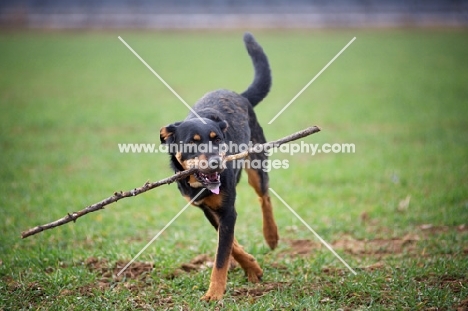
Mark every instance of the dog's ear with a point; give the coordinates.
(223, 125)
(166, 134)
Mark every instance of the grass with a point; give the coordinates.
(68, 99)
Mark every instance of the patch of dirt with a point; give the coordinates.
(136, 270)
(259, 290)
(136, 273)
(302, 247)
(354, 246)
(199, 262)
(455, 283)
(341, 271)
(432, 229)
(392, 246)
(141, 270)
(463, 306)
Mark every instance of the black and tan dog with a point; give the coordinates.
(224, 118)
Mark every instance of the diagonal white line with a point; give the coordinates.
(161, 79)
(315, 233)
(310, 82)
(159, 233)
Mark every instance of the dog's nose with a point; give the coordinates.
(215, 164)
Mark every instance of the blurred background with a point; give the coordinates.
(231, 14)
(71, 91)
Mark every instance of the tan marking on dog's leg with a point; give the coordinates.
(247, 262)
(270, 230)
(217, 282)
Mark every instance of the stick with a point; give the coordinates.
(272, 144)
(148, 185)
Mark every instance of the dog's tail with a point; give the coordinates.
(261, 84)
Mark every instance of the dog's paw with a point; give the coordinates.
(210, 296)
(215, 292)
(254, 275)
(271, 236)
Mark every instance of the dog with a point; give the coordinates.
(222, 120)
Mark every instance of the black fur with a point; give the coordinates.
(261, 84)
(229, 118)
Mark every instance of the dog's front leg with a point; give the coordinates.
(227, 221)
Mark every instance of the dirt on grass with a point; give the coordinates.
(376, 247)
(137, 276)
(348, 244)
(136, 270)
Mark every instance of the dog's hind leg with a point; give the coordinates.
(258, 179)
(247, 262)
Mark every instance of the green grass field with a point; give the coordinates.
(396, 210)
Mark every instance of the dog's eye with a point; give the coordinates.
(217, 140)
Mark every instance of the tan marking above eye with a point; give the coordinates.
(196, 137)
(212, 135)
(165, 133)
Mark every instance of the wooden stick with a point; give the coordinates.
(151, 185)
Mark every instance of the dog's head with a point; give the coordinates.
(195, 144)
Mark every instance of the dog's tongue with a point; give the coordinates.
(213, 187)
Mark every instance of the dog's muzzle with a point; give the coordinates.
(209, 174)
